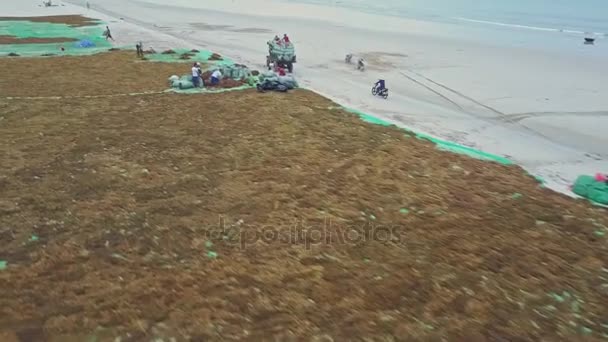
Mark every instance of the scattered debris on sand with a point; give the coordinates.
(31, 40)
(71, 20)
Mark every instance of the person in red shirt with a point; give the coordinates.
(285, 39)
(281, 71)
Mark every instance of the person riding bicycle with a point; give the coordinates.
(380, 85)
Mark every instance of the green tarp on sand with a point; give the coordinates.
(589, 187)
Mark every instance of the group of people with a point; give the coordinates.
(197, 76)
(284, 41)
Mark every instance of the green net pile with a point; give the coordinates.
(592, 189)
(192, 56)
(93, 35)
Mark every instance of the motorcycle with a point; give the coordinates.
(378, 91)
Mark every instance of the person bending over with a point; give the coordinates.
(215, 77)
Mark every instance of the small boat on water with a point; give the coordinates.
(589, 40)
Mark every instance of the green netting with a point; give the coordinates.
(590, 188)
(209, 90)
(202, 57)
(27, 29)
(441, 144)
(270, 76)
(456, 148)
(35, 50)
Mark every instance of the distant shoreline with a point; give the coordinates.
(503, 16)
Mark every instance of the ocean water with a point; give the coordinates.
(583, 17)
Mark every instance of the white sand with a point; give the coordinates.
(546, 109)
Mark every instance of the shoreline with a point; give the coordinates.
(541, 148)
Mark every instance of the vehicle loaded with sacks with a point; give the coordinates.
(281, 53)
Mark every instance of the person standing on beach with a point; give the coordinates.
(140, 49)
(108, 34)
(88, 5)
(196, 75)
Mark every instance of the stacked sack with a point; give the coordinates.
(282, 52)
(235, 72)
(288, 81)
(270, 76)
(184, 82)
(252, 80)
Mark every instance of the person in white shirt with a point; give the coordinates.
(196, 75)
(215, 77)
